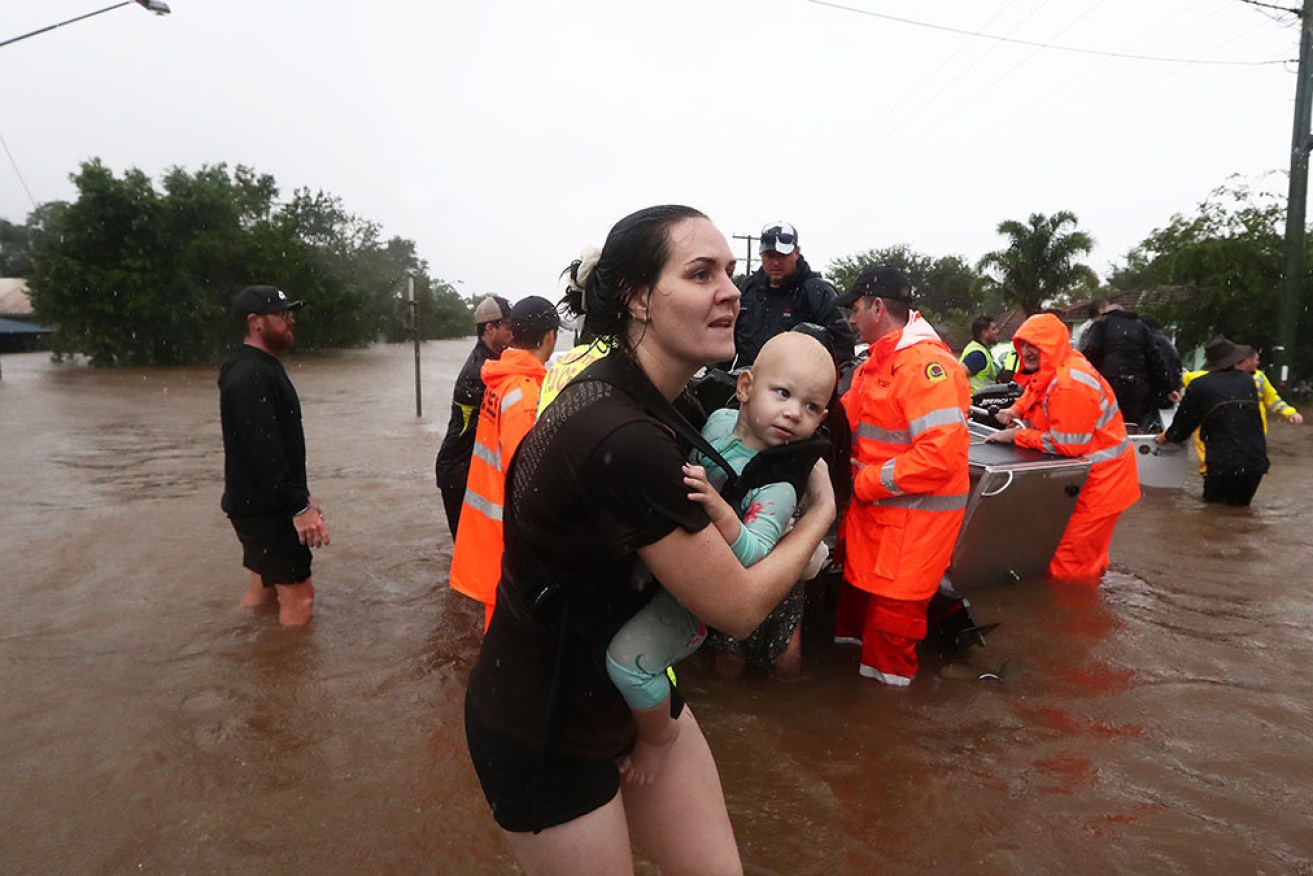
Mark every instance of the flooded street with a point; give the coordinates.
(1161, 725)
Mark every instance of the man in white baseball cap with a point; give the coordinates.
(784, 293)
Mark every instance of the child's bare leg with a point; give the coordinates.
(788, 666)
(657, 732)
(257, 594)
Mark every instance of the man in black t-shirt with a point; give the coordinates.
(265, 494)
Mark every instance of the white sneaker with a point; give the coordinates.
(883, 677)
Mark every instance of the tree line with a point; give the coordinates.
(132, 274)
(1215, 272)
(135, 274)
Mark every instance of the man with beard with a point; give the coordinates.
(783, 293)
(265, 493)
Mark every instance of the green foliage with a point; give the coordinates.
(948, 290)
(132, 274)
(1221, 269)
(1039, 267)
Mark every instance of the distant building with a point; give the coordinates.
(18, 333)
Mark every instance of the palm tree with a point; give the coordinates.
(1039, 264)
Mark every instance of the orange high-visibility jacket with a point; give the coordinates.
(1069, 409)
(510, 404)
(907, 410)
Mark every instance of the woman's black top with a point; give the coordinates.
(596, 479)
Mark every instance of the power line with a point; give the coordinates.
(1270, 6)
(825, 167)
(17, 171)
(1040, 45)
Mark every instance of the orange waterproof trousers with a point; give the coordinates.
(1082, 555)
(889, 629)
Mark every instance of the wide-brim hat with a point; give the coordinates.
(1221, 354)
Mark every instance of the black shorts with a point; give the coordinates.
(530, 791)
(272, 549)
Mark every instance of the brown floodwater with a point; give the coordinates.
(1163, 724)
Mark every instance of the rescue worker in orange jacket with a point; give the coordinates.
(1068, 408)
(907, 411)
(509, 408)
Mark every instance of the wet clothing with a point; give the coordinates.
(264, 481)
(272, 549)
(1068, 409)
(1269, 400)
(452, 466)
(765, 312)
(1224, 407)
(1170, 380)
(658, 637)
(889, 630)
(1121, 347)
(508, 410)
(981, 366)
(263, 443)
(907, 413)
(1269, 403)
(528, 792)
(598, 477)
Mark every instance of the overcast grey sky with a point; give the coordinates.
(502, 136)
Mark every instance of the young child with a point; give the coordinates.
(782, 400)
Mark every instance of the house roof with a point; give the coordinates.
(15, 298)
(18, 327)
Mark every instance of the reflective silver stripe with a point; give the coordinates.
(1071, 437)
(1109, 411)
(1277, 407)
(482, 505)
(887, 478)
(924, 502)
(491, 457)
(1047, 443)
(511, 398)
(886, 436)
(1111, 453)
(1087, 379)
(940, 417)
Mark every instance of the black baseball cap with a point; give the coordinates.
(261, 300)
(534, 314)
(880, 281)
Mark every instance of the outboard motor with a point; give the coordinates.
(992, 398)
(951, 627)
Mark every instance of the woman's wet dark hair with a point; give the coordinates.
(632, 258)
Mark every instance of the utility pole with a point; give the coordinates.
(1292, 279)
(750, 239)
(413, 328)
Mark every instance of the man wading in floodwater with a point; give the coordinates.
(265, 493)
